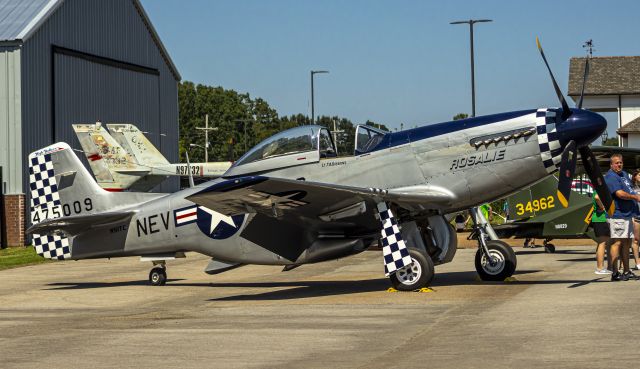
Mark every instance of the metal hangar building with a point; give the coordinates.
(78, 61)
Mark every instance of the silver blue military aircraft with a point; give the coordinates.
(291, 200)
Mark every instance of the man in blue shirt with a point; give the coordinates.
(620, 224)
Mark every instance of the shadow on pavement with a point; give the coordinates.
(306, 289)
(540, 250)
(89, 285)
(592, 259)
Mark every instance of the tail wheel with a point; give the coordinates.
(157, 277)
(503, 265)
(549, 248)
(416, 275)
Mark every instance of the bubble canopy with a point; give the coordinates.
(292, 141)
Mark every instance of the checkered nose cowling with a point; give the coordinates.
(394, 249)
(45, 204)
(550, 148)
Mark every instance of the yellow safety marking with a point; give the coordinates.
(510, 279)
(563, 200)
(421, 290)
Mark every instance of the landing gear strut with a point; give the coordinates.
(158, 275)
(408, 269)
(495, 260)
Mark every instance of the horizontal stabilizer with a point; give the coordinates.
(133, 172)
(74, 225)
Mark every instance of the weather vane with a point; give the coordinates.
(589, 46)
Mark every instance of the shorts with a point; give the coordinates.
(621, 228)
(601, 229)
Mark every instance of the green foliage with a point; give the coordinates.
(377, 125)
(460, 116)
(232, 113)
(12, 257)
(611, 142)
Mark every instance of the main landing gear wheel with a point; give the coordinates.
(157, 276)
(504, 262)
(416, 275)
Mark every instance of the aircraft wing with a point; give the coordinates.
(276, 197)
(74, 225)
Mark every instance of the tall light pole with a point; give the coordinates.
(471, 22)
(314, 72)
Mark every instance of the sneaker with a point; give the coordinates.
(637, 267)
(615, 277)
(603, 271)
(629, 276)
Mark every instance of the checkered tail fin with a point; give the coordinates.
(60, 186)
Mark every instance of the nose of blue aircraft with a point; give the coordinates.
(582, 126)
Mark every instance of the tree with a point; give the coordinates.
(377, 125)
(460, 116)
(233, 113)
(229, 111)
(611, 142)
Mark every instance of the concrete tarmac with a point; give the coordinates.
(103, 314)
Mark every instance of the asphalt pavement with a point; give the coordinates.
(102, 314)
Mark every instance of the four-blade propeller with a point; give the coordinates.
(568, 163)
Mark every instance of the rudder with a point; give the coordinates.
(60, 186)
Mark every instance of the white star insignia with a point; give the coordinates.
(216, 218)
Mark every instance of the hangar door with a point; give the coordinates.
(88, 88)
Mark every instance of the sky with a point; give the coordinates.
(392, 62)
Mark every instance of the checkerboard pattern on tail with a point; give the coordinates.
(52, 247)
(42, 180)
(394, 249)
(550, 149)
(44, 198)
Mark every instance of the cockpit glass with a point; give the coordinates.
(367, 138)
(326, 145)
(295, 140)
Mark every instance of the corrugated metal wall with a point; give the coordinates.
(59, 89)
(10, 120)
(85, 92)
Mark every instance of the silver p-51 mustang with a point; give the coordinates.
(290, 200)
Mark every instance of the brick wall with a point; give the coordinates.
(14, 210)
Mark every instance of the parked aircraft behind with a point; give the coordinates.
(123, 158)
(535, 212)
(291, 201)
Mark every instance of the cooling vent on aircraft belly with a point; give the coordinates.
(503, 136)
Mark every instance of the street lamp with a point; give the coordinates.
(471, 22)
(605, 136)
(313, 72)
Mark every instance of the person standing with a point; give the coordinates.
(635, 181)
(601, 230)
(621, 224)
